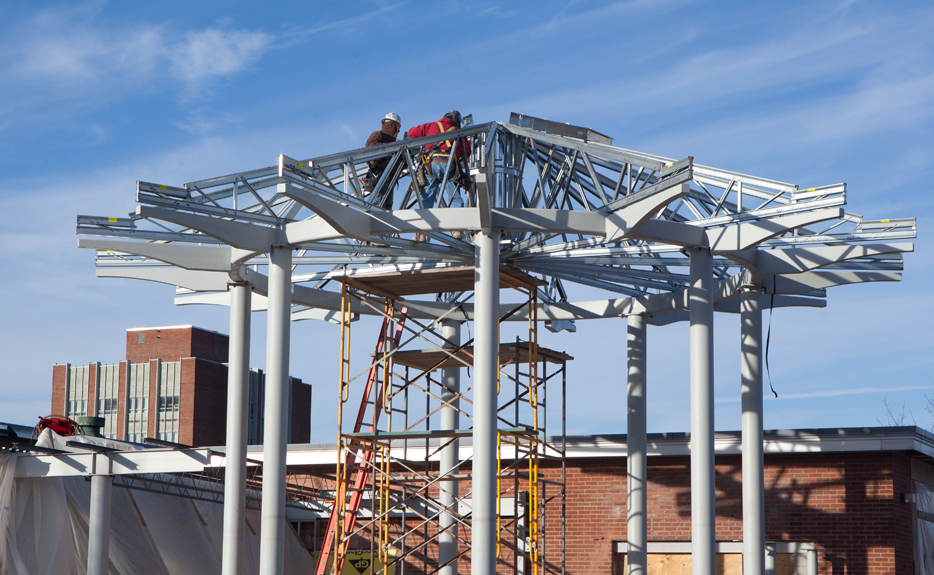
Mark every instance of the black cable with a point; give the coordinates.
(467, 323)
(768, 337)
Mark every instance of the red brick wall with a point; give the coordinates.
(93, 376)
(153, 413)
(209, 403)
(902, 514)
(186, 414)
(171, 344)
(121, 401)
(301, 411)
(59, 389)
(164, 344)
(847, 504)
(209, 345)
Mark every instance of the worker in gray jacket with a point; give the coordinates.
(385, 135)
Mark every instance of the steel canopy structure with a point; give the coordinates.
(611, 232)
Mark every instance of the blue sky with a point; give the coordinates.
(97, 95)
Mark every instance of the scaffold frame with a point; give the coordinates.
(397, 487)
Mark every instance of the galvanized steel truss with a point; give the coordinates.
(575, 212)
(608, 229)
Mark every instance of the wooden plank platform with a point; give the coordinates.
(433, 433)
(396, 284)
(425, 359)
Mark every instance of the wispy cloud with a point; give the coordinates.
(204, 55)
(838, 392)
(72, 59)
(822, 77)
(301, 34)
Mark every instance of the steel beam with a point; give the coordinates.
(703, 520)
(116, 463)
(275, 430)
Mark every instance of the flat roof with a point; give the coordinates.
(782, 441)
(174, 327)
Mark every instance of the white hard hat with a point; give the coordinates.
(392, 117)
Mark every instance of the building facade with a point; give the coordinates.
(861, 499)
(171, 386)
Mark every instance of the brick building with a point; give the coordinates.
(172, 386)
(863, 499)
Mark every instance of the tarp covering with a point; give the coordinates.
(44, 528)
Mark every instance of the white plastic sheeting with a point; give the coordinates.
(44, 528)
(924, 503)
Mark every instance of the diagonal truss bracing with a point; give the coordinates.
(610, 221)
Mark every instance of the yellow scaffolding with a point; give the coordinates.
(399, 453)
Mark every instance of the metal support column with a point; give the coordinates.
(238, 382)
(753, 462)
(275, 432)
(812, 562)
(450, 458)
(636, 497)
(486, 333)
(99, 524)
(703, 512)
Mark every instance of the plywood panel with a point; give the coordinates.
(729, 564)
(672, 564)
(680, 564)
(785, 564)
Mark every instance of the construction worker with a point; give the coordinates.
(385, 135)
(439, 160)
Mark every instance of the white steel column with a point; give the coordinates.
(703, 512)
(486, 330)
(238, 382)
(99, 524)
(636, 497)
(812, 562)
(450, 419)
(753, 461)
(275, 432)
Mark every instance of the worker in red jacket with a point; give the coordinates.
(439, 161)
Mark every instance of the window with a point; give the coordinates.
(169, 405)
(288, 434)
(141, 338)
(254, 434)
(137, 403)
(76, 392)
(107, 393)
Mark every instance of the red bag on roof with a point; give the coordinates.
(60, 425)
